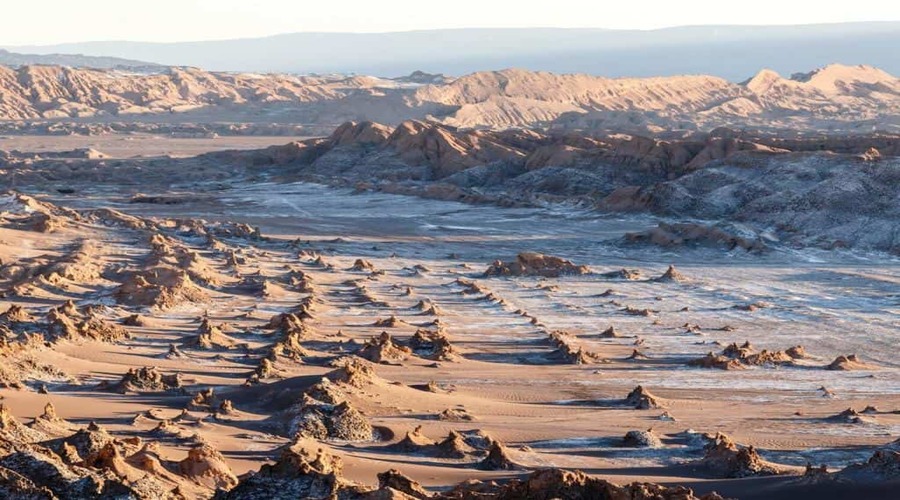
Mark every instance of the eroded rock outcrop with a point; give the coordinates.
(691, 234)
(210, 336)
(354, 372)
(296, 474)
(498, 459)
(317, 420)
(161, 287)
(736, 356)
(672, 275)
(383, 349)
(849, 363)
(147, 379)
(68, 322)
(883, 465)
(205, 465)
(726, 459)
(53, 459)
(432, 345)
(641, 439)
(535, 264)
(642, 399)
(557, 483)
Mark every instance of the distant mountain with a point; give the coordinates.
(833, 98)
(14, 59)
(52, 92)
(730, 52)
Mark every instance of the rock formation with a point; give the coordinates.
(432, 345)
(355, 373)
(147, 379)
(727, 459)
(210, 336)
(736, 356)
(205, 465)
(69, 323)
(642, 399)
(672, 275)
(383, 349)
(296, 474)
(326, 421)
(535, 264)
(563, 484)
(848, 363)
(498, 459)
(641, 439)
(832, 97)
(883, 465)
(692, 234)
(162, 287)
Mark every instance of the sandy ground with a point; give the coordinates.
(505, 374)
(135, 145)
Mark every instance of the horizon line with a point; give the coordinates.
(427, 30)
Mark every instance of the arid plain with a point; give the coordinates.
(173, 321)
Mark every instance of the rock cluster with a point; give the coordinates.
(296, 474)
(726, 459)
(737, 356)
(535, 264)
(692, 234)
(354, 372)
(432, 345)
(318, 420)
(383, 349)
(53, 458)
(68, 322)
(161, 287)
(883, 465)
(147, 379)
(568, 352)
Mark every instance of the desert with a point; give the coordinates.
(503, 284)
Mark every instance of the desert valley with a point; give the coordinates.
(507, 284)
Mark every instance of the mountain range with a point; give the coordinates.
(833, 98)
(730, 52)
(15, 59)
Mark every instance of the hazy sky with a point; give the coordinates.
(54, 21)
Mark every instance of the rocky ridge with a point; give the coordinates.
(753, 190)
(835, 97)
